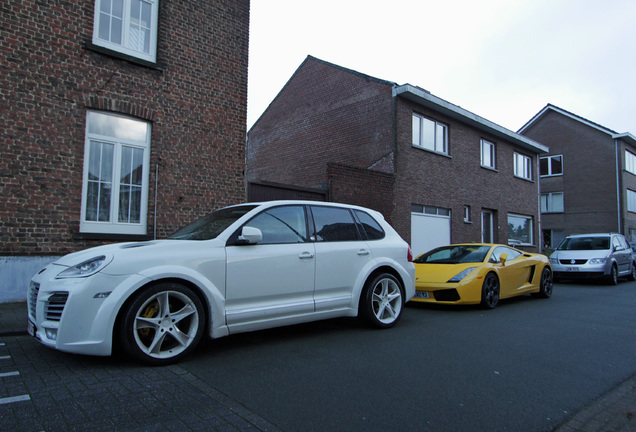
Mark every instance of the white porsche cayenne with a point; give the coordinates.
(241, 268)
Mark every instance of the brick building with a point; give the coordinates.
(119, 120)
(437, 172)
(588, 180)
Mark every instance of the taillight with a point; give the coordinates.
(409, 255)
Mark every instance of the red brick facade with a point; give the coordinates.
(347, 133)
(195, 98)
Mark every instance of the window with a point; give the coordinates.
(281, 225)
(127, 26)
(519, 230)
(370, 226)
(523, 166)
(487, 154)
(512, 254)
(466, 213)
(429, 134)
(630, 162)
(115, 186)
(551, 166)
(631, 201)
(552, 202)
(334, 224)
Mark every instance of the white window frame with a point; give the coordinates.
(522, 166)
(467, 213)
(552, 202)
(488, 154)
(515, 241)
(121, 139)
(128, 33)
(437, 143)
(631, 201)
(630, 162)
(550, 159)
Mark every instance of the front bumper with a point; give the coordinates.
(448, 293)
(583, 271)
(75, 314)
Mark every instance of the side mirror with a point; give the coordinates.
(250, 235)
(503, 258)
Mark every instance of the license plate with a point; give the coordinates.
(572, 269)
(421, 294)
(31, 329)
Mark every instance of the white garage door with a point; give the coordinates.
(428, 232)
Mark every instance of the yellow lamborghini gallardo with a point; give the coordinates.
(480, 274)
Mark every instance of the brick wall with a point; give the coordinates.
(325, 114)
(196, 101)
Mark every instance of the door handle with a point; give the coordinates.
(363, 252)
(306, 255)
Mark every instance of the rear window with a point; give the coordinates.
(585, 243)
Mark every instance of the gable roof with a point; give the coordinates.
(626, 136)
(425, 98)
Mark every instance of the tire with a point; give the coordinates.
(162, 324)
(546, 285)
(632, 274)
(612, 278)
(490, 291)
(382, 301)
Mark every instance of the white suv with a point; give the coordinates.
(601, 256)
(242, 268)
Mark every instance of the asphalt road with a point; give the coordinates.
(527, 365)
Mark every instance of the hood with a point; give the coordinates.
(580, 254)
(128, 251)
(440, 273)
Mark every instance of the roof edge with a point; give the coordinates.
(424, 97)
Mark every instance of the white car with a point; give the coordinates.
(242, 268)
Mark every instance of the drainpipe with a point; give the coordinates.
(538, 171)
(618, 187)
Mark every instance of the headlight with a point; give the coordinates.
(554, 261)
(84, 269)
(598, 260)
(462, 275)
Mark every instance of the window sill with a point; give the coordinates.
(431, 151)
(490, 168)
(131, 59)
(524, 179)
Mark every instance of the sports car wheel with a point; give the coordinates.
(490, 291)
(162, 324)
(546, 287)
(382, 300)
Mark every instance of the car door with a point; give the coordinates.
(514, 274)
(341, 256)
(622, 253)
(273, 279)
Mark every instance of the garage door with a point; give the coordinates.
(428, 232)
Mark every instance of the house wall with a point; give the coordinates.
(431, 179)
(627, 182)
(324, 114)
(589, 174)
(195, 98)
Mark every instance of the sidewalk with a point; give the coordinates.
(612, 412)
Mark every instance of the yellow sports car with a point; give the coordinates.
(480, 274)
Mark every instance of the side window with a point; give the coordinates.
(281, 225)
(371, 227)
(334, 224)
(496, 254)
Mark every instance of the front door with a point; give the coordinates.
(275, 278)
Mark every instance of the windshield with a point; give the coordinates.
(210, 226)
(585, 243)
(454, 255)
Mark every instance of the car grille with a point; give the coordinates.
(446, 295)
(34, 288)
(55, 306)
(576, 261)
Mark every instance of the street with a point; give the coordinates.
(527, 365)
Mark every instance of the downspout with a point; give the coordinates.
(156, 183)
(618, 187)
(540, 234)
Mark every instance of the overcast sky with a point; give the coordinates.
(503, 60)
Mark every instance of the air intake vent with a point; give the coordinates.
(34, 288)
(55, 306)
